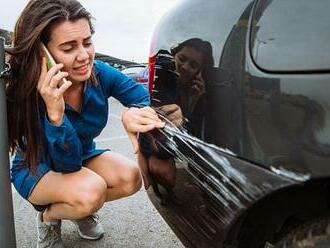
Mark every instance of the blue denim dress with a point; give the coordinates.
(67, 146)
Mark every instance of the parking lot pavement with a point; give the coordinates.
(130, 222)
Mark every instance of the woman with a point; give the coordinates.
(54, 116)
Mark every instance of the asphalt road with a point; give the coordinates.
(129, 222)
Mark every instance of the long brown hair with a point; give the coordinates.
(202, 46)
(24, 104)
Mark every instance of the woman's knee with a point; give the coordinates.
(89, 197)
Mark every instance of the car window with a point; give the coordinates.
(291, 35)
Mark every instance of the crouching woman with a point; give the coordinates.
(54, 115)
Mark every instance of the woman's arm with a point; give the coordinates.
(63, 144)
(117, 85)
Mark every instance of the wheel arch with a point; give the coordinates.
(279, 212)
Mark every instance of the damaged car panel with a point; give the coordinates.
(243, 158)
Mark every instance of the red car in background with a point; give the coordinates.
(138, 74)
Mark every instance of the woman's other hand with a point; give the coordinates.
(141, 120)
(51, 88)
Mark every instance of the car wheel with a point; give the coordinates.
(314, 234)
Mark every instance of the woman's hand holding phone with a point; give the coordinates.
(51, 86)
(198, 84)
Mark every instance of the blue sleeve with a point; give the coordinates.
(64, 146)
(121, 87)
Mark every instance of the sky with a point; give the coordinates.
(123, 28)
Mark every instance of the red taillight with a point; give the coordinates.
(151, 71)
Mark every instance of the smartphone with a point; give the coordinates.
(50, 61)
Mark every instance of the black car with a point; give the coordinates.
(244, 87)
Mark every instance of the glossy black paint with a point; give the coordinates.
(254, 137)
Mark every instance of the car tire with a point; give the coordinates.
(314, 234)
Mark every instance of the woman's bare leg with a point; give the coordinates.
(106, 177)
(72, 195)
(121, 174)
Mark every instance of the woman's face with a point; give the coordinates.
(188, 63)
(71, 44)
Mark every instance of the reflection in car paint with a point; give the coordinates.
(289, 174)
(233, 187)
(275, 125)
(230, 187)
(213, 172)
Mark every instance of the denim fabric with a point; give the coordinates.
(67, 146)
